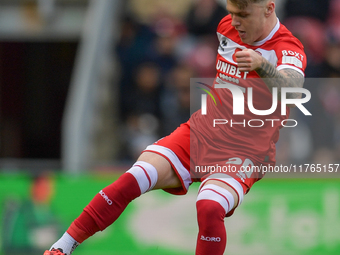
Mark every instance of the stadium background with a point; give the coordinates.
(85, 85)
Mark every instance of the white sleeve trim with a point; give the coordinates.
(280, 67)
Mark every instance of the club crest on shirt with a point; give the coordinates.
(223, 43)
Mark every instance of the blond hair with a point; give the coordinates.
(244, 3)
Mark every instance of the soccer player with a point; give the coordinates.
(253, 44)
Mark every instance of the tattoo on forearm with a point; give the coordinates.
(284, 78)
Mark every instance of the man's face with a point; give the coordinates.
(249, 22)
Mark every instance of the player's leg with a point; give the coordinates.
(215, 200)
(151, 171)
(167, 177)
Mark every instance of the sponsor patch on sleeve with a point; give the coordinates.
(292, 60)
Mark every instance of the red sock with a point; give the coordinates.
(212, 236)
(105, 207)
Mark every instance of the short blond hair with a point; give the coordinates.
(244, 3)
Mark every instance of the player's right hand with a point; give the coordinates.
(248, 60)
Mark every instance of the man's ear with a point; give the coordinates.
(270, 8)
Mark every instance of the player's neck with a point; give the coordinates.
(272, 21)
(270, 25)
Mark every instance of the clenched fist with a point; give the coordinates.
(248, 60)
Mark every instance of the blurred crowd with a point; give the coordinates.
(160, 48)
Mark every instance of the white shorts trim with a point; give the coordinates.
(181, 171)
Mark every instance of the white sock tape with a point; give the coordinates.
(217, 194)
(145, 174)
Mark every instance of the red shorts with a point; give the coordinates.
(194, 159)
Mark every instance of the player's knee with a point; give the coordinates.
(213, 202)
(210, 215)
(145, 174)
(209, 209)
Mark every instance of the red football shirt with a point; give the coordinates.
(244, 135)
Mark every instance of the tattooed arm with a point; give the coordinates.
(283, 78)
(248, 60)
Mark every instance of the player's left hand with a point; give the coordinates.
(248, 60)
